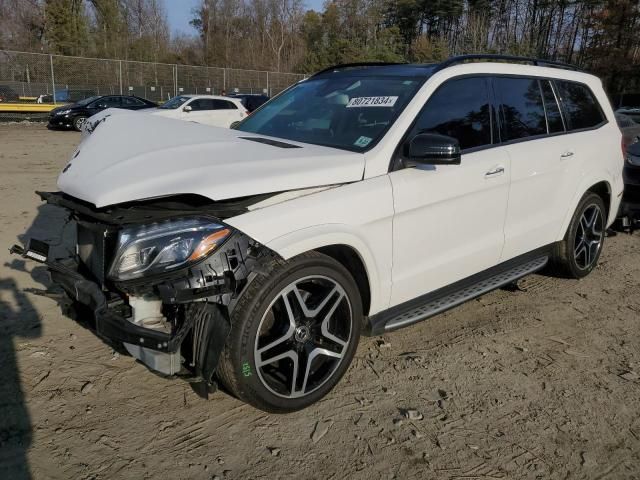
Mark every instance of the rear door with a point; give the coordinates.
(531, 128)
(546, 157)
(230, 111)
(449, 219)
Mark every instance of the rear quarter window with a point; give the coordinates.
(580, 106)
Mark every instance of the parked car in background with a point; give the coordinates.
(362, 200)
(632, 112)
(74, 115)
(8, 94)
(213, 110)
(629, 213)
(629, 128)
(251, 101)
(630, 207)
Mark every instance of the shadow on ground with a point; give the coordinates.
(19, 323)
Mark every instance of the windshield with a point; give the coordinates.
(174, 103)
(87, 101)
(347, 112)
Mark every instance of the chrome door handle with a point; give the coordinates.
(495, 172)
(567, 154)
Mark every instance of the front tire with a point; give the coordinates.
(294, 332)
(78, 122)
(578, 253)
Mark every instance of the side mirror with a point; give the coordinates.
(432, 149)
(186, 108)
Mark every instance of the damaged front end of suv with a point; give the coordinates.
(159, 276)
(158, 258)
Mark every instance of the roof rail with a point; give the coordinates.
(539, 62)
(357, 64)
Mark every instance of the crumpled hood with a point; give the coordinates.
(134, 157)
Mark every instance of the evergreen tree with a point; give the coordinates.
(66, 26)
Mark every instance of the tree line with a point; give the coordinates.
(602, 36)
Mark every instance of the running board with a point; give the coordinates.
(448, 297)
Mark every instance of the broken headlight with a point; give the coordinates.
(161, 247)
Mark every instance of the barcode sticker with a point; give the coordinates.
(359, 102)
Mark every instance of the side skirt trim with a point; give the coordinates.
(457, 293)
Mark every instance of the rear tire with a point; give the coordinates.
(578, 253)
(294, 332)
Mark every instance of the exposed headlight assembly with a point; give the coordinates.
(161, 247)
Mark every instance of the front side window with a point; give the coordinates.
(344, 111)
(580, 106)
(202, 104)
(174, 103)
(131, 102)
(458, 109)
(521, 107)
(87, 101)
(108, 102)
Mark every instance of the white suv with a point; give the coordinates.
(361, 200)
(211, 110)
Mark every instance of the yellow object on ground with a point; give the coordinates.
(27, 107)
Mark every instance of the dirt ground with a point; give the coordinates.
(541, 382)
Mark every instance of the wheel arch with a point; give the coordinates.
(603, 190)
(349, 258)
(599, 187)
(350, 250)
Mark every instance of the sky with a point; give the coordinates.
(179, 13)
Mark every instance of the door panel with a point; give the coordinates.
(216, 118)
(448, 222)
(543, 182)
(449, 219)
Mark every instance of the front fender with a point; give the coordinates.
(318, 236)
(358, 215)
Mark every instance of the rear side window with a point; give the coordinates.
(554, 117)
(223, 105)
(521, 107)
(580, 106)
(459, 109)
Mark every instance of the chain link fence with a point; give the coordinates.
(37, 76)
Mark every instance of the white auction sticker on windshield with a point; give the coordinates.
(359, 102)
